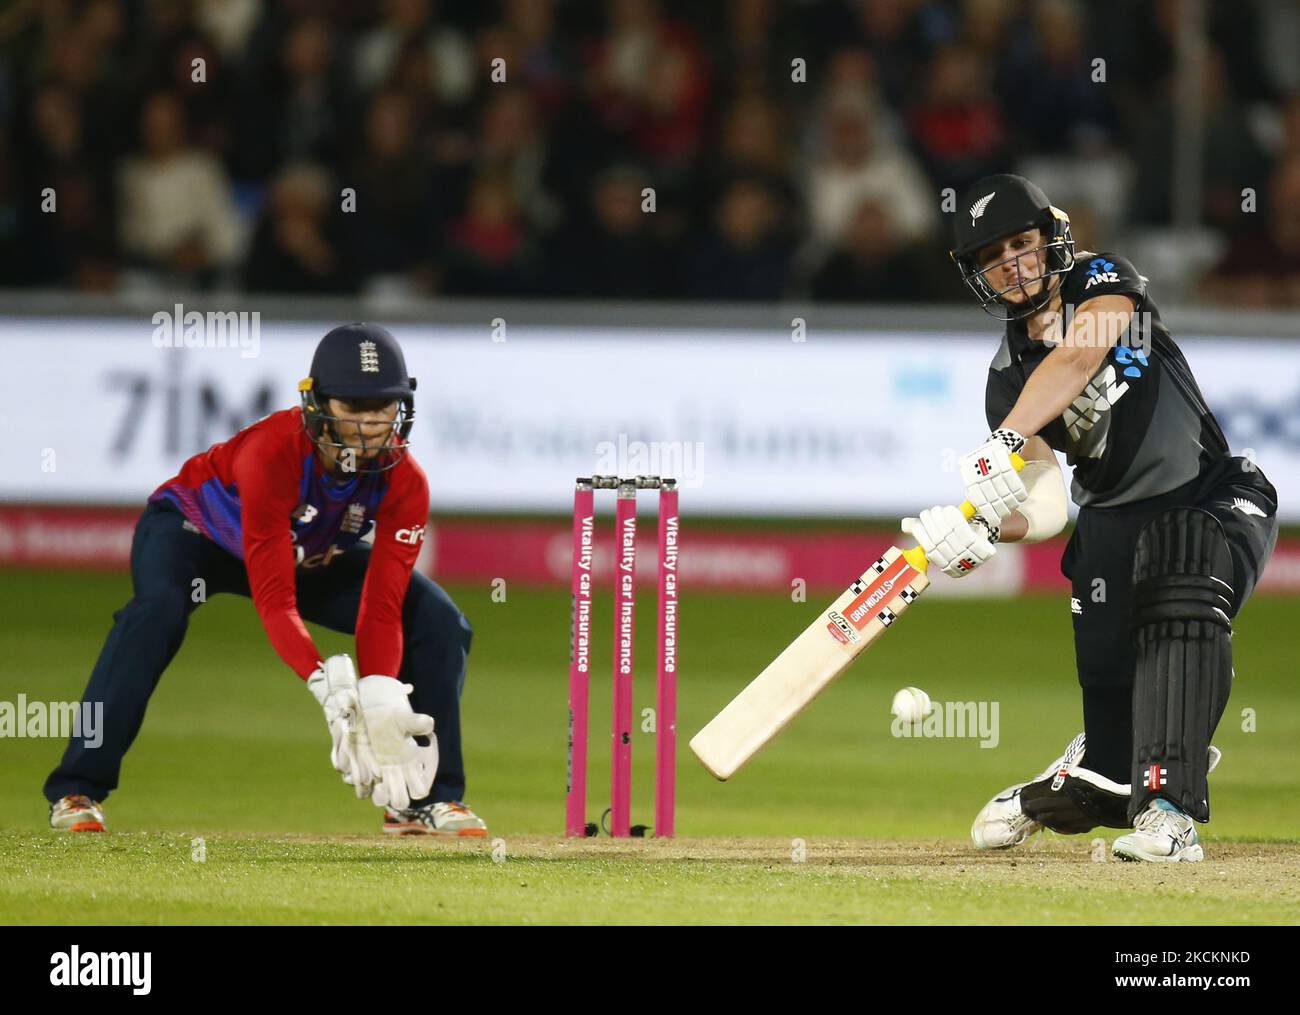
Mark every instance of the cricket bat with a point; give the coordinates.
(810, 663)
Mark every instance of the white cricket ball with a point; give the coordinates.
(911, 704)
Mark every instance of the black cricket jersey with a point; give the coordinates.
(1141, 426)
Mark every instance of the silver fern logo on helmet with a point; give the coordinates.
(977, 209)
(369, 358)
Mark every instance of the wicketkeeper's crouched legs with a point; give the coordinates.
(437, 639)
(146, 634)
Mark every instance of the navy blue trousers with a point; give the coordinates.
(147, 632)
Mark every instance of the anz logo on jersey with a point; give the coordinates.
(1100, 270)
(1134, 361)
(1086, 411)
(1099, 397)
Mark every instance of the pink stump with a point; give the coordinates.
(624, 636)
(666, 683)
(575, 803)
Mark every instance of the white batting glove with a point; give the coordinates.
(405, 769)
(992, 483)
(950, 542)
(334, 685)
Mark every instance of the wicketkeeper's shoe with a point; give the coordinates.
(1161, 834)
(454, 819)
(1002, 823)
(76, 814)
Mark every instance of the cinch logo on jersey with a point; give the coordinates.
(1154, 777)
(1099, 270)
(410, 536)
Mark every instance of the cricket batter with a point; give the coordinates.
(1173, 530)
(278, 512)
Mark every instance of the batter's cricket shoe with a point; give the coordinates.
(1161, 834)
(452, 819)
(1002, 823)
(76, 814)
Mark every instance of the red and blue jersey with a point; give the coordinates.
(264, 495)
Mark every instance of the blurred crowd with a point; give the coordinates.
(730, 149)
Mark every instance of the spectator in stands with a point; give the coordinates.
(857, 163)
(748, 253)
(904, 98)
(177, 215)
(986, 27)
(612, 252)
(1290, 117)
(898, 34)
(869, 263)
(651, 85)
(291, 112)
(393, 232)
(956, 124)
(752, 137)
(511, 140)
(1262, 268)
(70, 241)
(1231, 156)
(536, 58)
(490, 251)
(449, 58)
(1048, 90)
(755, 45)
(297, 246)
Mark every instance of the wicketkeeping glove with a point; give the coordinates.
(405, 769)
(950, 542)
(334, 685)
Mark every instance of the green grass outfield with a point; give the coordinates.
(837, 821)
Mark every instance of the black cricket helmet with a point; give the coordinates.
(1001, 206)
(358, 363)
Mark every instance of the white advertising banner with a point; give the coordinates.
(750, 422)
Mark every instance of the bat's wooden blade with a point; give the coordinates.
(810, 663)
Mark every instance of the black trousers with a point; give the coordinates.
(1099, 563)
(147, 632)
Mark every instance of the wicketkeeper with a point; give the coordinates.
(1172, 534)
(280, 512)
